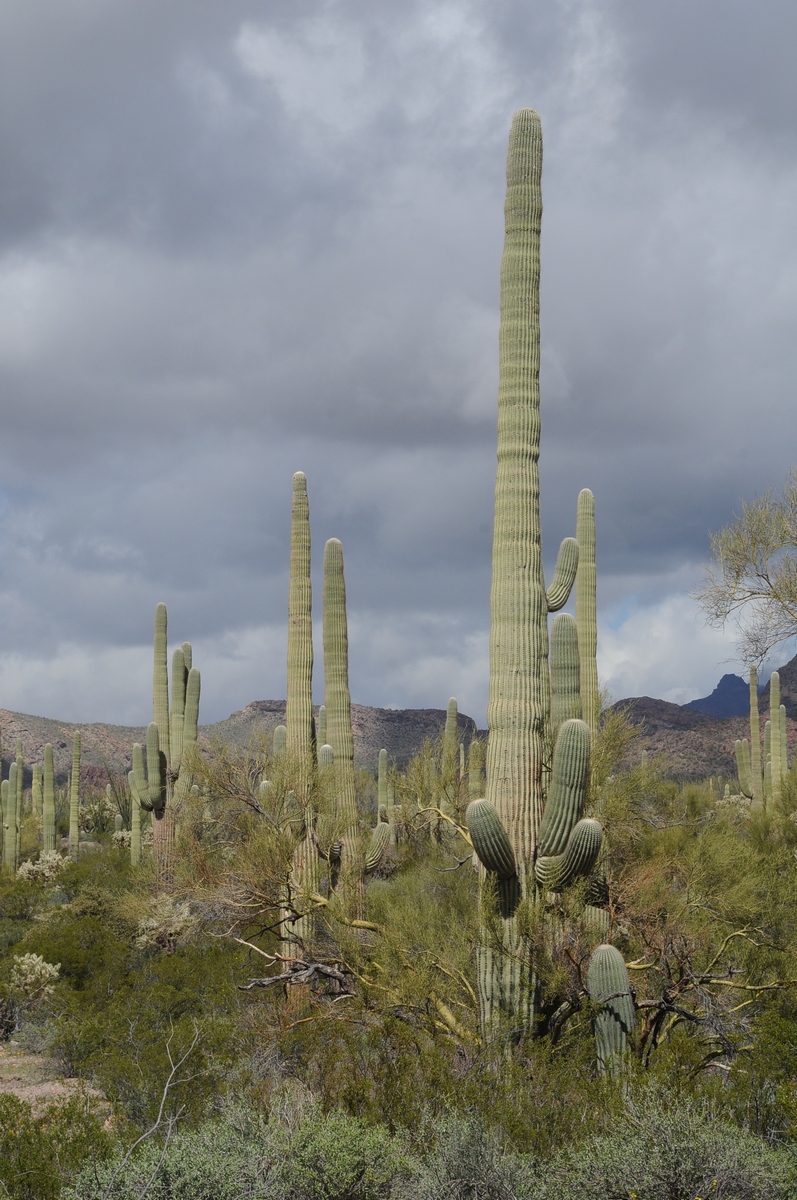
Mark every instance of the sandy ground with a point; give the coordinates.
(35, 1078)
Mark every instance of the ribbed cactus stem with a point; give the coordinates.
(337, 697)
(382, 780)
(8, 817)
(743, 767)
(36, 791)
(519, 700)
(756, 773)
(48, 801)
(177, 714)
(326, 757)
(299, 708)
(587, 609)
(160, 680)
(475, 769)
(135, 821)
(784, 744)
(13, 816)
(564, 575)
(610, 991)
(450, 738)
(565, 671)
(74, 801)
(20, 778)
(279, 741)
(567, 794)
(776, 753)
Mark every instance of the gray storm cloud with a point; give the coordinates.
(241, 240)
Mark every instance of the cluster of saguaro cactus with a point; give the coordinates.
(162, 785)
(757, 784)
(530, 833)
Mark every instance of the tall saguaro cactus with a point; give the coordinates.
(756, 774)
(48, 801)
(299, 709)
(587, 609)
(507, 828)
(300, 728)
(776, 752)
(337, 700)
(74, 801)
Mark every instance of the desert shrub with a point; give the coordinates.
(665, 1151)
(338, 1157)
(40, 1153)
(466, 1162)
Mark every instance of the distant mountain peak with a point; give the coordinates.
(730, 698)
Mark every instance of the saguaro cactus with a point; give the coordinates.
(300, 728)
(587, 609)
(743, 768)
(337, 700)
(776, 753)
(48, 801)
(74, 801)
(565, 671)
(518, 713)
(609, 989)
(756, 773)
(171, 740)
(36, 791)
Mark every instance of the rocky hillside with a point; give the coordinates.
(107, 748)
(693, 744)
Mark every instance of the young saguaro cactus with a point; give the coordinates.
(518, 713)
(610, 991)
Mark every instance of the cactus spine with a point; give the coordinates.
(338, 705)
(756, 774)
(587, 609)
(776, 754)
(48, 801)
(74, 801)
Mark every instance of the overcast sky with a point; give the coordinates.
(240, 239)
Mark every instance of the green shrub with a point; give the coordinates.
(337, 1157)
(38, 1154)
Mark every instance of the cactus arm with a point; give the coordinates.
(564, 575)
(565, 671)
(490, 842)
(279, 741)
(156, 771)
(580, 856)
(380, 840)
(586, 609)
(567, 793)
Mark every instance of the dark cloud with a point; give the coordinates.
(241, 240)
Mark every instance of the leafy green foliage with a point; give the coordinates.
(39, 1153)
